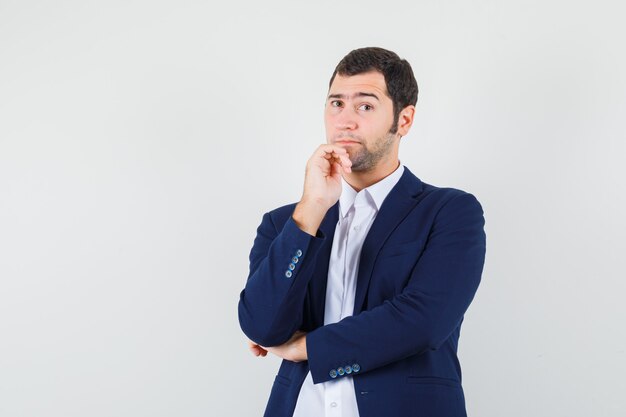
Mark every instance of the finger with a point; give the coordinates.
(259, 352)
(333, 155)
(342, 159)
(336, 172)
(346, 163)
(254, 350)
(341, 155)
(331, 161)
(329, 149)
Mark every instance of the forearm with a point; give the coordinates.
(282, 262)
(395, 330)
(424, 314)
(281, 265)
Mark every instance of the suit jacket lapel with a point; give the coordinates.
(395, 207)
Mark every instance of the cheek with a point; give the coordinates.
(328, 130)
(329, 117)
(330, 123)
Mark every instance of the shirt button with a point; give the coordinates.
(356, 227)
(333, 404)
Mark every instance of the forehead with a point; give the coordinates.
(368, 82)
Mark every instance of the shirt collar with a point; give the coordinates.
(378, 191)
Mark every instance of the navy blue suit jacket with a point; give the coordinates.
(419, 269)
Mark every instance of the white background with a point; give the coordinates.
(141, 142)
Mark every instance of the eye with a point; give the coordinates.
(366, 107)
(336, 103)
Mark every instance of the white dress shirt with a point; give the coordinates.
(357, 212)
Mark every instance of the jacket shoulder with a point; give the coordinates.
(426, 192)
(442, 194)
(448, 201)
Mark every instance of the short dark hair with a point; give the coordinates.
(399, 78)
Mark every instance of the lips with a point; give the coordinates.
(345, 142)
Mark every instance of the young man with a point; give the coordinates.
(361, 286)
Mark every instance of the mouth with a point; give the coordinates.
(346, 142)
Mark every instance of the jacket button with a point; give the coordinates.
(333, 373)
(340, 371)
(292, 267)
(288, 274)
(298, 253)
(295, 259)
(356, 367)
(348, 369)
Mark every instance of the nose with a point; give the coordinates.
(346, 119)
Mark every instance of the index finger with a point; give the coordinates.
(329, 149)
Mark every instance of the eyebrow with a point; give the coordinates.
(359, 94)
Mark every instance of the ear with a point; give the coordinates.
(405, 120)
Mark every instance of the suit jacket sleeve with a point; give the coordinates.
(271, 304)
(425, 313)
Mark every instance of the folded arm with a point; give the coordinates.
(424, 314)
(281, 265)
(282, 261)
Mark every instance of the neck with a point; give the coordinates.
(363, 179)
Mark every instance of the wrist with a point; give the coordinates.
(303, 351)
(309, 215)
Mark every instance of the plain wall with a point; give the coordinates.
(141, 142)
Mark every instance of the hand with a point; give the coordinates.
(322, 186)
(256, 349)
(322, 181)
(292, 350)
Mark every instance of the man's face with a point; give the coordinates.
(359, 116)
